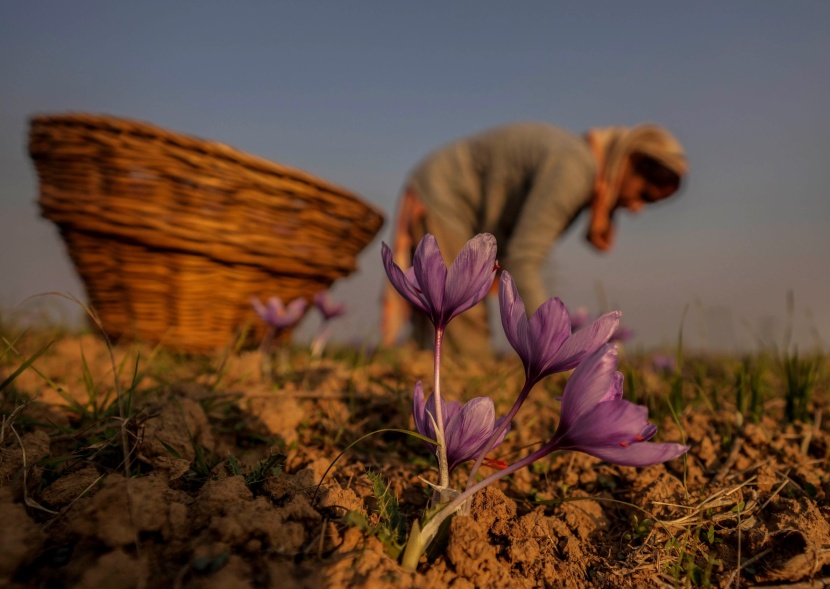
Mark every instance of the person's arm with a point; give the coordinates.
(560, 189)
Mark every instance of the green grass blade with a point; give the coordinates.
(28, 362)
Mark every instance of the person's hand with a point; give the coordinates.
(601, 234)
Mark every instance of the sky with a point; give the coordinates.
(358, 92)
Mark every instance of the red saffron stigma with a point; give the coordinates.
(496, 266)
(639, 438)
(624, 444)
(493, 463)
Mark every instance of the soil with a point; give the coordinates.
(204, 474)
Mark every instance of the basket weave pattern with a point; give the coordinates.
(173, 235)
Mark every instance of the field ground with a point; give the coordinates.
(202, 474)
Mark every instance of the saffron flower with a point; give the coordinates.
(467, 428)
(276, 314)
(278, 317)
(545, 342)
(595, 419)
(664, 364)
(440, 292)
(328, 308)
(622, 335)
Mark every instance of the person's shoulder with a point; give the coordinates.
(531, 132)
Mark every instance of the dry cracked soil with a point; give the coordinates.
(199, 473)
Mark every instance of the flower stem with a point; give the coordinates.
(267, 356)
(425, 535)
(318, 344)
(415, 547)
(505, 424)
(443, 464)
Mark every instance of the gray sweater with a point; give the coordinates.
(525, 183)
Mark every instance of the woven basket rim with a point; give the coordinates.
(205, 147)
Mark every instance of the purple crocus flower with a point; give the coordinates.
(622, 334)
(329, 310)
(663, 363)
(327, 307)
(545, 342)
(467, 428)
(277, 315)
(595, 419)
(439, 292)
(442, 294)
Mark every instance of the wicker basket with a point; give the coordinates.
(173, 235)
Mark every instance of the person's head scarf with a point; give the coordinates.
(613, 147)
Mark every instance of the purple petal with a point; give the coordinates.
(448, 410)
(418, 408)
(277, 315)
(550, 323)
(639, 455)
(470, 276)
(607, 424)
(588, 385)
(431, 273)
(327, 307)
(663, 363)
(399, 280)
(544, 342)
(260, 309)
(548, 329)
(615, 391)
(281, 317)
(514, 317)
(584, 342)
(597, 421)
(275, 308)
(622, 334)
(415, 288)
(616, 431)
(475, 297)
(469, 430)
(648, 431)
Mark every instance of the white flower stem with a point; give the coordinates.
(318, 344)
(415, 547)
(443, 464)
(420, 538)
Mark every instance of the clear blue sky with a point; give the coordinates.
(357, 92)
